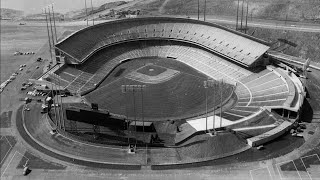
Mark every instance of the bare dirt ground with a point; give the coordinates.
(27, 38)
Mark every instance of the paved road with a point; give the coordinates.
(270, 24)
(273, 25)
(262, 23)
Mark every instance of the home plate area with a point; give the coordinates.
(152, 74)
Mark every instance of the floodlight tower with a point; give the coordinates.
(205, 83)
(210, 83)
(242, 15)
(45, 11)
(54, 23)
(135, 89)
(221, 88)
(85, 5)
(51, 25)
(247, 16)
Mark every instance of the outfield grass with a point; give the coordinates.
(183, 96)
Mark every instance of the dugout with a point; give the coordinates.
(97, 118)
(142, 126)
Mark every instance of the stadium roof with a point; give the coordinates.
(225, 42)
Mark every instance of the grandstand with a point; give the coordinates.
(172, 58)
(241, 48)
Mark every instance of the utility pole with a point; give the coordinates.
(242, 15)
(247, 17)
(85, 4)
(206, 89)
(214, 112)
(204, 12)
(221, 84)
(198, 9)
(237, 15)
(135, 115)
(285, 22)
(92, 12)
(45, 11)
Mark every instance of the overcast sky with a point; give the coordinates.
(35, 6)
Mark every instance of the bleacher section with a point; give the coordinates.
(220, 40)
(271, 88)
(268, 88)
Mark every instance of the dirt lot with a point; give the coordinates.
(26, 38)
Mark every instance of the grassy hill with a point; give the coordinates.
(297, 10)
(11, 14)
(308, 43)
(78, 14)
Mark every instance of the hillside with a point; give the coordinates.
(296, 10)
(292, 10)
(78, 14)
(11, 14)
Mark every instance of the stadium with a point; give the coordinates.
(172, 85)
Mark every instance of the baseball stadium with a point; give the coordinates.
(160, 89)
(184, 90)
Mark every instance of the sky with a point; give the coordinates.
(62, 6)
